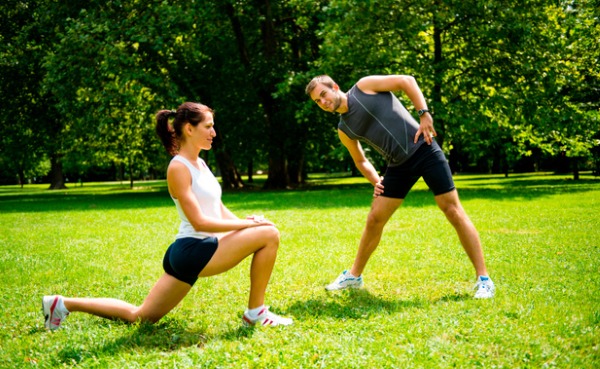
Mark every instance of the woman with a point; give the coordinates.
(211, 240)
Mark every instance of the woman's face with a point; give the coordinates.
(202, 134)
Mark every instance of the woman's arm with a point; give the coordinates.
(179, 181)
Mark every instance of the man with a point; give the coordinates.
(371, 113)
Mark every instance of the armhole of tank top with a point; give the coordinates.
(185, 163)
(357, 90)
(188, 165)
(203, 163)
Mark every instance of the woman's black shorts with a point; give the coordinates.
(186, 257)
(428, 162)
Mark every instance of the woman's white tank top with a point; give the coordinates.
(207, 190)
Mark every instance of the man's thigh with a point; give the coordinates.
(383, 208)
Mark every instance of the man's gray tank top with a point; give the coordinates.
(381, 121)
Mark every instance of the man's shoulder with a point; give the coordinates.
(354, 88)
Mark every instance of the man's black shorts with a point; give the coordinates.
(186, 257)
(428, 162)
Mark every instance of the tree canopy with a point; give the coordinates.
(513, 86)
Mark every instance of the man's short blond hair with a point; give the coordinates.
(323, 79)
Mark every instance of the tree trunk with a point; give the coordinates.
(21, 177)
(278, 174)
(130, 159)
(295, 160)
(229, 174)
(230, 177)
(57, 179)
(438, 72)
(277, 178)
(250, 170)
(121, 173)
(296, 172)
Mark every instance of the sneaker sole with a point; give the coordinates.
(267, 323)
(48, 311)
(335, 288)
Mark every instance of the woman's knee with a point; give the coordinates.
(133, 316)
(271, 235)
(139, 315)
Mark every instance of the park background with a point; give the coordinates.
(514, 87)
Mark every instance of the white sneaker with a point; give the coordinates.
(54, 311)
(485, 288)
(345, 280)
(266, 318)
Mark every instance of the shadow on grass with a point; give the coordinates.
(360, 304)
(318, 194)
(173, 334)
(166, 336)
(66, 201)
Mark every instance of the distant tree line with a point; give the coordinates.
(514, 86)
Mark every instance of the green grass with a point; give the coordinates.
(541, 236)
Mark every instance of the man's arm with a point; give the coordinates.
(360, 160)
(394, 82)
(408, 85)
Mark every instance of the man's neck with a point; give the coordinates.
(344, 103)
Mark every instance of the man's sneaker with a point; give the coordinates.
(345, 280)
(265, 317)
(54, 311)
(485, 288)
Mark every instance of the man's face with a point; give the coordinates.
(327, 98)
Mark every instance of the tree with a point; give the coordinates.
(273, 41)
(30, 123)
(573, 114)
(478, 61)
(80, 82)
(111, 64)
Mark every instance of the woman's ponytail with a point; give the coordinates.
(165, 132)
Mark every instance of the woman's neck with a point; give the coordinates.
(189, 153)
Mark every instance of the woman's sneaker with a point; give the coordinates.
(485, 288)
(345, 280)
(265, 317)
(54, 311)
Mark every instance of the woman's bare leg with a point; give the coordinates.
(263, 242)
(168, 291)
(163, 297)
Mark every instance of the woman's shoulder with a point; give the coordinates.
(177, 166)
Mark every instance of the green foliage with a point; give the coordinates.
(108, 73)
(28, 129)
(539, 234)
(501, 75)
(81, 81)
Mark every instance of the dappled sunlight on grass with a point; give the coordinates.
(539, 233)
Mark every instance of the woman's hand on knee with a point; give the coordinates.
(258, 220)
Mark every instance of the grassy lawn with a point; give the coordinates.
(541, 237)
